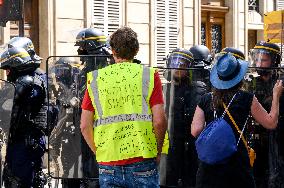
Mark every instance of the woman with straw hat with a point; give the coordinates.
(226, 78)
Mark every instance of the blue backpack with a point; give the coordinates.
(217, 142)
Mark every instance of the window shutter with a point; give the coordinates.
(98, 14)
(173, 25)
(280, 5)
(166, 31)
(107, 15)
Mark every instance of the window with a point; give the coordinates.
(203, 34)
(213, 31)
(30, 23)
(253, 5)
(279, 4)
(107, 15)
(166, 28)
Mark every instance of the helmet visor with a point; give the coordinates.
(61, 70)
(261, 58)
(179, 61)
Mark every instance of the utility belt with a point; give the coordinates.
(40, 120)
(36, 143)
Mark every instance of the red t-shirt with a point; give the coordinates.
(156, 98)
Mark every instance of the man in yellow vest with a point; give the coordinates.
(123, 119)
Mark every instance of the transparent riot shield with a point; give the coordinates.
(7, 91)
(269, 163)
(69, 155)
(182, 90)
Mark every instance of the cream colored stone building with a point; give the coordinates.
(162, 25)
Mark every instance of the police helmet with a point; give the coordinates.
(17, 59)
(63, 68)
(238, 54)
(180, 58)
(27, 44)
(263, 50)
(90, 39)
(201, 54)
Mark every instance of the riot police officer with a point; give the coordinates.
(91, 42)
(268, 167)
(65, 137)
(26, 140)
(182, 95)
(27, 44)
(202, 61)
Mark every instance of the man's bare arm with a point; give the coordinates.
(160, 125)
(87, 121)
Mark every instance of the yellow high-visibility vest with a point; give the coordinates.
(123, 128)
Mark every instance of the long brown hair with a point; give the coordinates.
(224, 95)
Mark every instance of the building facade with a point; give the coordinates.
(162, 25)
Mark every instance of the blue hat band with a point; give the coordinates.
(231, 76)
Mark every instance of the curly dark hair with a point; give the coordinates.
(125, 43)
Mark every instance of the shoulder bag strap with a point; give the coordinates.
(236, 126)
(224, 113)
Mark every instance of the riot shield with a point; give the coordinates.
(268, 144)
(7, 91)
(69, 155)
(182, 90)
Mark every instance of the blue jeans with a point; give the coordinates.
(142, 174)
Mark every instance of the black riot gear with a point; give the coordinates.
(182, 94)
(201, 55)
(268, 166)
(65, 137)
(27, 44)
(90, 47)
(91, 42)
(26, 139)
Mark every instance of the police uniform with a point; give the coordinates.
(65, 139)
(90, 42)
(268, 167)
(182, 95)
(26, 140)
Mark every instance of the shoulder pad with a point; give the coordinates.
(26, 80)
(39, 71)
(40, 80)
